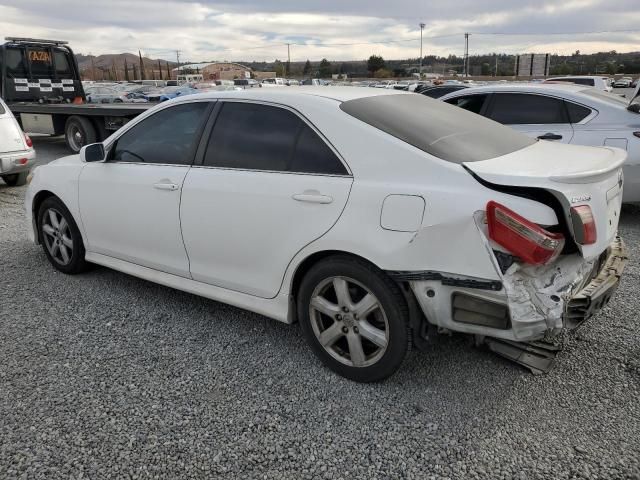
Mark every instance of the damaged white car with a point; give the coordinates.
(372, 217)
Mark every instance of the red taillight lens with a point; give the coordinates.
(584, 226)
(28, 140)
(524, 239)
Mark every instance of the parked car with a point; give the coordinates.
(246, 83)
(167, 93)
(102, 94)
(601, 83)
(17, 155)
(437, 91)
(563, 113)
(372, 217)
(314, 81)
(273, 82)
(624, 82)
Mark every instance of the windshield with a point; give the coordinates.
(444, 131)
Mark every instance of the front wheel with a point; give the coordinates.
(60, 237)
(354, 318)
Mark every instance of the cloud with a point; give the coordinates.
(336, 29)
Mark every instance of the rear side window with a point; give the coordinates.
(523, 109)
(16, 65)
(260, 137)
(2, 110)
(577, 113)
(444, 131)
(166, 137)
(590, 82)
(471, 103)
(439, 91)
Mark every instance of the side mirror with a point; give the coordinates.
(92, 153)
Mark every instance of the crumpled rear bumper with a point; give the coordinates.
(529, 303)
(597, 293)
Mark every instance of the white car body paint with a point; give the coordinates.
(609, 124)
(451, 238)
(13, 146)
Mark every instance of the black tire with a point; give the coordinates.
(15, 179)
(393, 309)
(76, 262)
(78, 132)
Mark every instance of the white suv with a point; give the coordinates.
(601, 83)
(16, 149)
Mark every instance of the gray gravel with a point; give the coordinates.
(107, 376)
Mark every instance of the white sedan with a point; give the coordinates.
(563, 113)
(371, 216)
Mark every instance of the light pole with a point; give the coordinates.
(422, 25)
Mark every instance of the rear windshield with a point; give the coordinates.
(444, 131)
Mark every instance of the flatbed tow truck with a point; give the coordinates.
(40, 82)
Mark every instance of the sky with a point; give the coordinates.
(256, 30)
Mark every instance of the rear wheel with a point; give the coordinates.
(60, 237)
(354, 318)
(78, 132)
(16, 179)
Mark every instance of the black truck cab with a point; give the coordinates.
(35, 70)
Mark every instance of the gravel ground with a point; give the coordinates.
(107, 376)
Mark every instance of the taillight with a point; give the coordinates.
(584, 226)
(523, 238)
(28, 140)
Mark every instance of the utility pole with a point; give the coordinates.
(465, 70)
(422, 25)
(288, 60)
(496, 72)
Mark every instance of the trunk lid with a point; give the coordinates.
(11, 136)
(575, 175)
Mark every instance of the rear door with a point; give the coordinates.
(536, 115)
(269, 184)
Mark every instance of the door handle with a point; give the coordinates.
(165, 186)
(550, 136)
(312, 196)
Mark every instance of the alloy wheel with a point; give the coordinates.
(57, 236)
(349, 321)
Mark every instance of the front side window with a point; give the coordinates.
(63, 66)
(524, 109)
(166, 137)
(260, 137)
(472, 103)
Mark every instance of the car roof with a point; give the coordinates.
(528, 87)
(297, 94)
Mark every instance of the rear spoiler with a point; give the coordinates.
(596, 174)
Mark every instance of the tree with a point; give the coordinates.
(126, 70)
(307, 68)
(142, 75)
(375, 63)
(324, 70)
(383, 73)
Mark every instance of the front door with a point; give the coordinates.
(269, 185)
(130, 204)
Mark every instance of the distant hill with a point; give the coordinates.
(110, 66)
